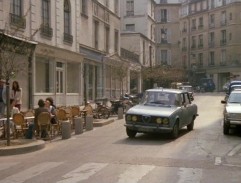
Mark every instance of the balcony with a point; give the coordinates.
(200, 26)
(211, 44)
(163, 20)
(223, 42)
(223, 22)
(200, 45)
(68, 38)
(211, 25)
(193, 46)
(46, 30)
(194, 28)
(18, 21)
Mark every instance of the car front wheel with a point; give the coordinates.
(175, 131)
(225, 129)
(131, 133)
(190, 126)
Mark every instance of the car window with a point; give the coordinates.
(234, 98)
(185, 99)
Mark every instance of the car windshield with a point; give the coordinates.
(234, 98)
(159, 98)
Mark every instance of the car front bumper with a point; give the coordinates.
(150, 129)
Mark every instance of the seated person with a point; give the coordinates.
(88, 108)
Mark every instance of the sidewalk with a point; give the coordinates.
(21, 146)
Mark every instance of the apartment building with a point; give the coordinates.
(211, 40)
(76, 44)
(167, 35)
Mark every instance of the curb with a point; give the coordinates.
(22, 149)
(102, 123)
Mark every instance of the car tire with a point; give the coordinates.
(225, 129)
(131, 133)
(190, 125)
(175, 131)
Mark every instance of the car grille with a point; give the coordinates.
(236, 116)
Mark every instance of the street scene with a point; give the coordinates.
(106, 154)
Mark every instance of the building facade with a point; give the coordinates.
(211, 40)
(73, 55)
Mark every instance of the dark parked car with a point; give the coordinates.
(232, 111)
(161, 111)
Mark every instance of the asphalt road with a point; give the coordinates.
(107, 155)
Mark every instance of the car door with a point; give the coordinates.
(185, 110)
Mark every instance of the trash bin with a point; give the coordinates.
(89, 122)
(120, 113)
(66, 129)
(78, 125)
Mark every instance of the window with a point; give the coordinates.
(200, 38)
(107, 3)
(223, 37)
(46, 29)
(96, 34)
(116, 6)
(200, 59)
(223, 18)
(164, 57)
(193, 24)
(17, 7)
(72, 75)
(193, 42)
(16, 15)
(116, 40)
(130, 27)
(212, 21)
(163, 15)
(59, 77)
(107, 39)
(211, 58)
(211, 39)
(223, 57)
(67, 17)
(200, 23)
(163, 35)
(84, 7)
(45, 69)
(230, 16)
(130, 8)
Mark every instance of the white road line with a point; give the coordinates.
(218, 161)
(29, 173)
(82, 173)
(6, 165)
(234, 150)
(190, 175)
(134, 173)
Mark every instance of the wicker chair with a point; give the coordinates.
(20, 126)
(44, 122)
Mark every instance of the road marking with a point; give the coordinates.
(218, 161)
(134, 173)
(30, 172)
(6, 165)
(190, 175)
(234, 150)
(82, 173)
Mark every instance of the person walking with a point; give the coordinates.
(2, 97)
(16, 94)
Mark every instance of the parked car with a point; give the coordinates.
(189, 89)
(206, 85)
(232, 111)
(161, 111)
(231, 88)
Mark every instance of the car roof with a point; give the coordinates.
(169, 90)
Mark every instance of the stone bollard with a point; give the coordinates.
(66, 129)
(89, 122)
(78, 125)
(120, 113)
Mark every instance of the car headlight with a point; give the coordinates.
(134, 118)
(159, 120)
(165, 121)
(128, 117)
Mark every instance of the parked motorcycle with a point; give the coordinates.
(101, 111)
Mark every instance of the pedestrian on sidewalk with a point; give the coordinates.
(2, 98)
(16, 94)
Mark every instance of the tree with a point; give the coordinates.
(11, 48)
(163, 75)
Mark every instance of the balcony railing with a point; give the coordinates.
(68, 38)
(18, 21)
(184, 30)
(223, 22)
(211, 25)
(200, 26)
(211, 44)
(193, 46)
(193, 28)
(46, 30)
(200, 45)
(223, 42)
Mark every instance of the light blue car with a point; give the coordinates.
(161, 111)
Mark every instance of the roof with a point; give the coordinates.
(165, 90)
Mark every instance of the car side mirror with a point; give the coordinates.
(223, 102)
